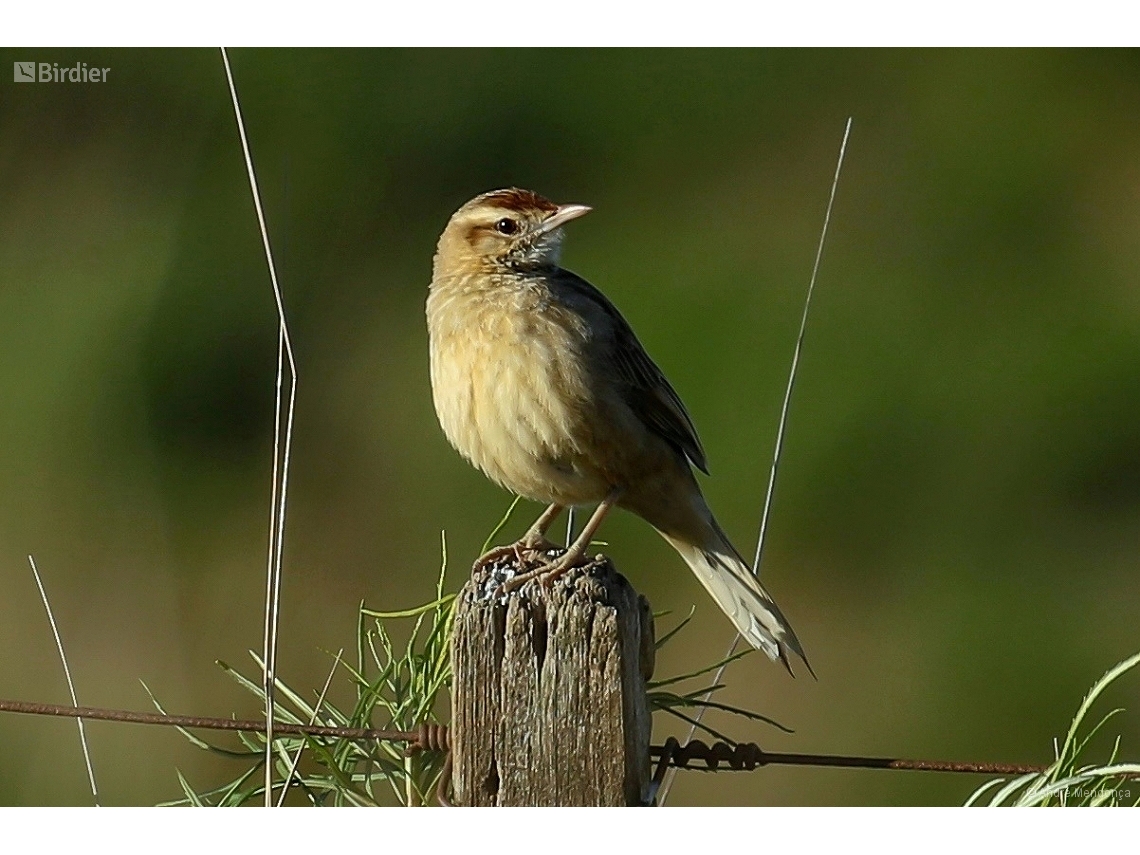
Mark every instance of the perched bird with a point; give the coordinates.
(539, 381)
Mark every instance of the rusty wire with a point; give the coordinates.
(207, 723)
(426, 737)
(742, 757)
(746, 756)
(435, 737)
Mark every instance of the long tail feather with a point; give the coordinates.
(741, 597)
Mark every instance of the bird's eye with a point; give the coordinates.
(506, 226)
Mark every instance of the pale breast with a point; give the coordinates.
(510, 395)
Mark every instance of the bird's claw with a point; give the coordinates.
(547, 574)
(511, 550)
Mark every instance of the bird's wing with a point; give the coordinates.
(643, 384)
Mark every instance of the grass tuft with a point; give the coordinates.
(663, 698)
(1069, 781)
(396, 687)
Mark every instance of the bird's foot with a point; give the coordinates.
(514, 550)
(527, 552)
(549, 573)
(537, 543)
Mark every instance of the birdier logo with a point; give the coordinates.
(51, 72)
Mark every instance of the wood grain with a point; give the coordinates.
(549, 703)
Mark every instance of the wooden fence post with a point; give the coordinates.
(548, 700)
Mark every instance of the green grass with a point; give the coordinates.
(395, 687)
(1071, 781)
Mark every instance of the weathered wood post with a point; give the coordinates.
(548, 700)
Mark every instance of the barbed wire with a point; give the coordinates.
(744, 756)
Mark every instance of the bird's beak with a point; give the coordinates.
(563, 215)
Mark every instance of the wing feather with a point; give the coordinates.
(644, 386)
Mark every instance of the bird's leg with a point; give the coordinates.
(535, 537)
(577, 551)
(574, 555)
(533, 541)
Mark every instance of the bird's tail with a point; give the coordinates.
(729, 580)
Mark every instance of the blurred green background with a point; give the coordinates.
(956, 526)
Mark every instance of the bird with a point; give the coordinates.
(540, 383)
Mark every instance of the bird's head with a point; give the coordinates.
(505, 229)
